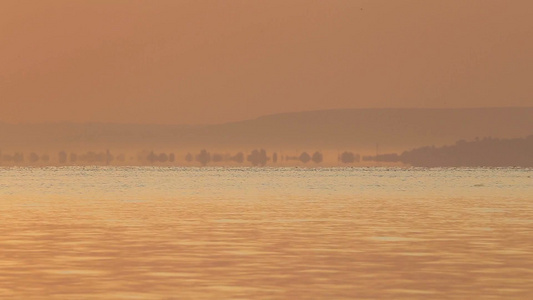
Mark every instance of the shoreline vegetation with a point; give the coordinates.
(486, 152)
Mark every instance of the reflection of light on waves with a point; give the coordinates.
(267, 242)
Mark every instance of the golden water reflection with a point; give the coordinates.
(267, 247)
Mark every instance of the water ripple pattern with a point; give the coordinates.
(266, 233)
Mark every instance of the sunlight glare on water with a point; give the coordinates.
(285, 233)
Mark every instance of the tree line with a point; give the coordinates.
(489, 152)
(257, 157)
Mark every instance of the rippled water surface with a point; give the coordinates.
(191, 233)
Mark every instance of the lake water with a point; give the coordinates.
(266, 233)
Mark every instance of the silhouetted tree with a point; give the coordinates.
(101, 157)
(62, 157)
(275, 157)
(108, 157)
(152, 157)
(347, 157)
(304, 157)
(188, 157)
(204, 157)
(34, 157)
(317, 157)
(258, 157)
(18, 157)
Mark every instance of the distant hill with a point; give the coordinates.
(487, 152)
(363, 128)
(355, 129)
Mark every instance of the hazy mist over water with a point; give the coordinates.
(280, 149)
(210, 62)
(194, 233)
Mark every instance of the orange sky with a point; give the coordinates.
(216, 61)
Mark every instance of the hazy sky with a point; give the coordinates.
(215, 61)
